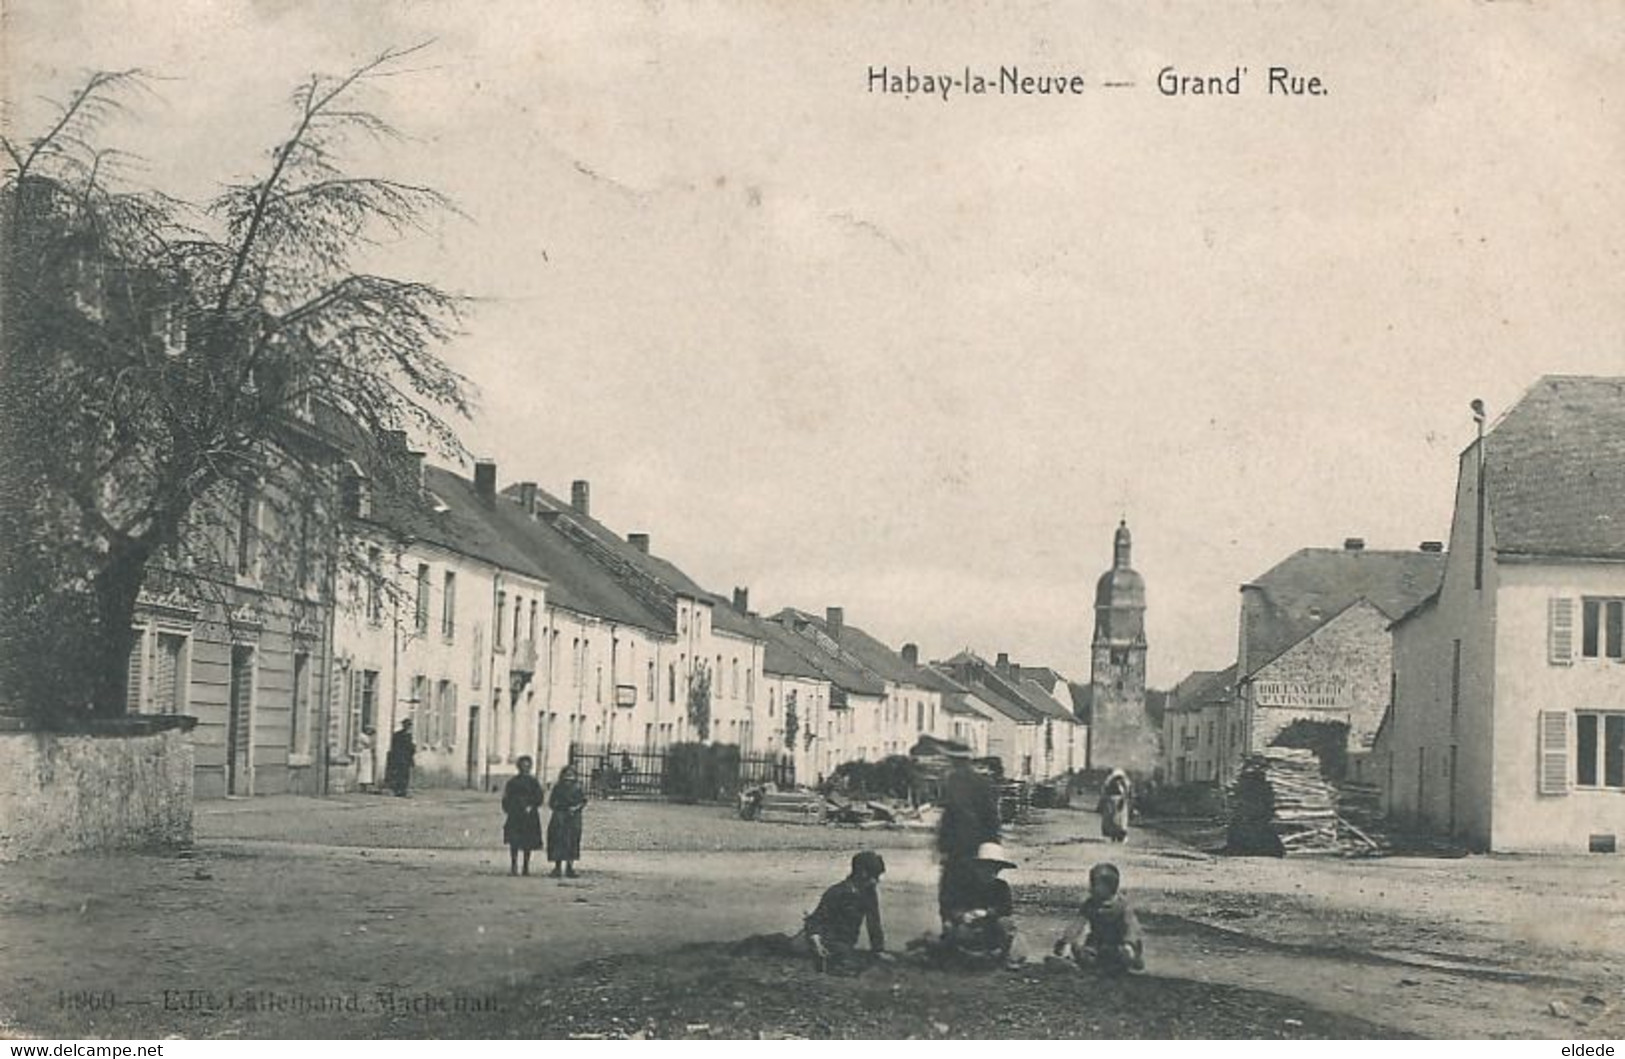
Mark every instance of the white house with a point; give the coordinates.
(439, 626)
(1507, 726)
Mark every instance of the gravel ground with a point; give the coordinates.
(701, 991)
(470, 820)
(377, 917)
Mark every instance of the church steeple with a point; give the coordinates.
(1120, 736)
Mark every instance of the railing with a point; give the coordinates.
(625, 772)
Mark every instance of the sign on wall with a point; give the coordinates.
(1330, 694)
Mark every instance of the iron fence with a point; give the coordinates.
(628, 772)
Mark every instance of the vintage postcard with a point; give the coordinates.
(803, 520)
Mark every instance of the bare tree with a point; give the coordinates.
(159, 359)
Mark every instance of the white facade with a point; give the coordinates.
(1508, 722)
(416, 639)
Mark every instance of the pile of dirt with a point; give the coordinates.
(704, 992)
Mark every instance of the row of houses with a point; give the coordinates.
(1481, 687)
(512, 622)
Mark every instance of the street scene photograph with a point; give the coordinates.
(635, 521)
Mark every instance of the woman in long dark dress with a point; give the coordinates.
(522, 803)
(564, 826)
(1115, 799)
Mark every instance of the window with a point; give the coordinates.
(671, 682)
(446, 697)
(652, 688)
(518, 614)
(416, 707)
(169, 683)
(369, 698)
(530, 633)
(136, 672)
(248, 524)
(423, 598)
(375, 596)
(1602, 628)
(502, 620)
(298, 721)
(1599, 757)
(305, 573)
(448, 606)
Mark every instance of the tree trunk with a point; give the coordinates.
(116, 588)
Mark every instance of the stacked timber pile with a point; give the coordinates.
(1280, 805)
(791, 807)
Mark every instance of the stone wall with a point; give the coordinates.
(126, 788)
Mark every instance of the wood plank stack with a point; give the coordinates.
(791, 807)
(1280, 806)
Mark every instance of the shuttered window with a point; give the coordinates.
(1560, 640)
(136, 673)
(1554, 752)
(169, 691)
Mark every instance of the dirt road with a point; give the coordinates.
(369, 916)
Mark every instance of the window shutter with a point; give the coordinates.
(1560, 641)
(133, 675)
(1554, 752)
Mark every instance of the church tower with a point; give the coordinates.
(1120, 734)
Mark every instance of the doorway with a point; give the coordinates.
(239, 723)
(473, 745)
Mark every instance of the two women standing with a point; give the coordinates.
(522, 830)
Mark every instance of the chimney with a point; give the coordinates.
(485, 480)
(1434, 547)
(640, 541)
(414, 468)
(394, 441)
(1015, 672)
(1002, 665)
(580, 500)
(742, 600)
(834, 618)
(527, 497)
(911, 654)
(1354, 544)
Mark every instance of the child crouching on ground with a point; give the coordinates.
(1114, 942)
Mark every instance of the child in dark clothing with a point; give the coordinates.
(830, 932)
(1114, 942)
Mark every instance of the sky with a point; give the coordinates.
(916, 357)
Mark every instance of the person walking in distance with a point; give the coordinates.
(1115, 799)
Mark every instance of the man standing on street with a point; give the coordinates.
(970, 819)
(398, 766)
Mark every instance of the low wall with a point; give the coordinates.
(129, 786)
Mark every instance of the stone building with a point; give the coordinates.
(1201, 729)
(234, 626)
(1314, 657)
(1120, 732)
